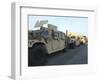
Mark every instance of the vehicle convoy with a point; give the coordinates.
(75, 39)
(46, 40)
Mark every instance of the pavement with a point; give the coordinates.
(78, 55)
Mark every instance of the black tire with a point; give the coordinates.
(72, 45)
(37, 55)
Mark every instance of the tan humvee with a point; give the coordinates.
(83, 39)
(73, 39)
(44, 41)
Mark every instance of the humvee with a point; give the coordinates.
(44, 41)
(73, 40)
(83, 39)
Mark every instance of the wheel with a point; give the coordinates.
(72, 45)
(37, 55)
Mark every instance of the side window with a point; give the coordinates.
(45, 34)
(55, 35)
(59, 35)
(62, 36)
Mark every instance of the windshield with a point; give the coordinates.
(45, 34)
(72, 36)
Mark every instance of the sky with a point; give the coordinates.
(72, 24)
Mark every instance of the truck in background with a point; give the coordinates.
(76, 39)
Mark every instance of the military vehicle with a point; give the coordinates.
(73, 40)
(83, 39)
(46, 40)
(76, 39)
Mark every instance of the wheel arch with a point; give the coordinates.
(38, 43)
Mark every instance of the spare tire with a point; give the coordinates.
(37, 55)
